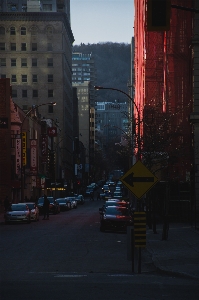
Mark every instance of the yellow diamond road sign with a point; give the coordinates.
(139, 179)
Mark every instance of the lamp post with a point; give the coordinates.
(138, 113)
(21, 134)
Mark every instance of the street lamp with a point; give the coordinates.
(21, 133)
(138, 113)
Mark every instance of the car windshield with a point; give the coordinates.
(117, 194)
(106, 187)
(18, 207)
(62, 200)
(41, 200)
(112, 210)
(31, 205)
(51, 199)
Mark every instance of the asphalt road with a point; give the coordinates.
(68, 257)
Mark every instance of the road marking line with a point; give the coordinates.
(72, 276)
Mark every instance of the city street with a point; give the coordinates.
(68, 257)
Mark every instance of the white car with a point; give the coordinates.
(19, 212)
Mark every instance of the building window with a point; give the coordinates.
(47, 7)
(2, 30)
(34, 78)
(13, 47)
(23, 30)
(34, 62)
(2, 62)
(2, 46)
(3, 76)
(13, 62)
(35, 93)
(34, 31)
(50, 62)
(49, 31)
(12, 31)
(23, 62)
(23, 46)
(14, 93)
(50, 109)
(24, 78)
(34, 46)
(24, 93)
(49, 47)
(13, 78)
(50, 77)
(50, 93)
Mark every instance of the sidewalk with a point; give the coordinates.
(177, 256)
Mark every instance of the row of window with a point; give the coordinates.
(23, 30)
(14, 46)
(24, 78)
(35, 93)
(24, 62)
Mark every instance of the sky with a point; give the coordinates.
(98, 21)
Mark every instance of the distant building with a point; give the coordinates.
(111, 122)
(83, 68)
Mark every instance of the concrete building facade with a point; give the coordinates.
(36, 54)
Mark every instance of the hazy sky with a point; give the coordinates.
(94, 21)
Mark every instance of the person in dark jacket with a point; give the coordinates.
(46, 208)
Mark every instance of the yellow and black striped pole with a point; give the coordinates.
(139, 234)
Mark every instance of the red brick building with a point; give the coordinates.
(163, 91)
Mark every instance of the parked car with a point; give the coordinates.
(64, 204)
(111, 183)
(106, 195)
(73, 201)
(34, 211)
(80, 199)
(115, 218)
(54, 207)
(18, 213)
(94, 185)
(89, 190)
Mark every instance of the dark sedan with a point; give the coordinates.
(54, 207)
(80, 199)
(63, 203)
(115, 218)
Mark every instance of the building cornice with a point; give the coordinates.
(39, 17)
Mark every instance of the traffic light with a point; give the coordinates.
(158, 15)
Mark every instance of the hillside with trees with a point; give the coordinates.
(113, 65)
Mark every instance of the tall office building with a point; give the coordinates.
(36, 54)
(83, 67)
(84, 78)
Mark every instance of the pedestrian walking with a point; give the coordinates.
(46, 208)
(6, 203)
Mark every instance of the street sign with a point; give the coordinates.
(139, 179)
